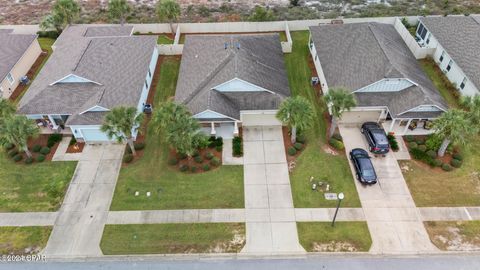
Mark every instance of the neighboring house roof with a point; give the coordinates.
(12, 48)
(117, 67)
(460, 37)
(211, 60)
(356, 55)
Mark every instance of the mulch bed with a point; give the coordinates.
(287, 143)
(30, 74)
(447, 158)
(41, 140)
(75, 148)
(192, 162)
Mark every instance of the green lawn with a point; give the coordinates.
(454, 235)
(345, 236)
(23, 240)
(314, 161)
(173, 238)
(440, 81)
(171, 189)
(22, 186)
(163, 39)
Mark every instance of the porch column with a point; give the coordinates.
(406, 127)
(212, 129)
(235, 128)
(391, 125)
(52, 121)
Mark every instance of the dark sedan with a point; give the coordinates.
(376, 138)
(363, 166)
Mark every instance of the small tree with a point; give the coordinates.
(168, 10)
(338, 100)
(16, 129)
(297, 113)
(472, 104)
(454, 127)
(167, 114)
(261, 14)
(118, 10)
(64, 12)
(120, 123)
(6, 108)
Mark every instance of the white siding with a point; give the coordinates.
(318, 65)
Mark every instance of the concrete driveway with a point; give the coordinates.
(394, 221)
(269, 212)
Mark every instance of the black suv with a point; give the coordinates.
(363, 166)
(376, 138)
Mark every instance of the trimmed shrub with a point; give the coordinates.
(72, 141)
(421, 155)
(219, 148)
(432, 154)
(437, 163)
(298, 146)
(433, 143)
(409, 138)
(195, 153)
(237, 148)
(219, 141)
(456, 163)
(211, 142)
(206, 167)
(128, 149)
(128, 158)
(36, 148)
(458, 156)
(139, 146)
(45, 150)
(215, 162)
(13, 153)
(336, 144)
(182, 156)
(40, 158)
(53, 139)
(337, 137)
(422, 148)
(48, 34)
(446, 167)
(302, 139)
(292, 151)
(17, 158)
(209, 155)
(173, 161)
(393, 142)
(198, 159)
(184, 168)
(193, 169)
(8, 146)
(28, 160)
(420, 141)
(412, 145)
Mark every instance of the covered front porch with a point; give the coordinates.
(226, 130)
(410, 126)
(51, 123)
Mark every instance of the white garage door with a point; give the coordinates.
(93, 135)
(259, 119)
(357, 117)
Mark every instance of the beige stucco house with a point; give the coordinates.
(18, 52)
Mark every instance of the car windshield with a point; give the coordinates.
(380, 137)
(368, 173)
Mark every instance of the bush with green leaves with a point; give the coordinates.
(17, 157)
(182, 156)
(456, 163)
(173, 161)
(422, 148)
(298, 146)
(215, 162)
(12, 153)
(193, 169)
(301, 138)
(72, 141)
(209, 155)
(420, 141)
(40, 158)
(36, 148)
(198, 159)
(337, 137)
(139, 146)
(292, 151)
(184, 168)
(412, 145)
(437, 162)
(336, 144)
(237, 147)
(219, 148)
(409, 138)
(457, 156)
(212, 142)
(53, 34)
(219, 141)
(433, 143)
(446, 167)
(206, 167)
(422, 156)
(393, 142)
(9, 146)
(28, 160)
(432, 154)
(45, 150)
(128, 158)
(53, 139)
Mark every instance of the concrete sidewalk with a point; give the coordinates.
(177, 216)
(28, 219)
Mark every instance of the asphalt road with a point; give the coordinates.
(333, 262)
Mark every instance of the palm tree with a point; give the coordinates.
(472, 104)
(297, 113)
(338, 100)
(6, 108)
(118, 10)
(16, 129)
(454, 127)
(168, 10)
(166, 114)
(64, 12)
(120, 123)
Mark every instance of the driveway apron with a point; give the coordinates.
(269, 211)
(394, 222)
(79, 225)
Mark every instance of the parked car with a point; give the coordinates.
(363, 166)
(376, 138)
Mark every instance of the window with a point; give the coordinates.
(146, 84)
(462, 85)
(149, 74)
(449, 66)
(441, 56)
(422, 31)
(10, 78)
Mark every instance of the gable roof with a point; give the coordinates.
(460, 37)
(357, 55)
(118, 65)
(12, 48)
(211, 60)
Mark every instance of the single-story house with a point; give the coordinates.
(456, 40)
(92, 70)
(231, 80)
(372, 61)
(18, 53)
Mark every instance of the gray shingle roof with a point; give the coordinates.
(118, 64)
(12, 48)
(357, 55)
(206, 64)
(460, 37)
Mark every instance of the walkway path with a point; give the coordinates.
(79, 225)
(269, 212)
(394, 222)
